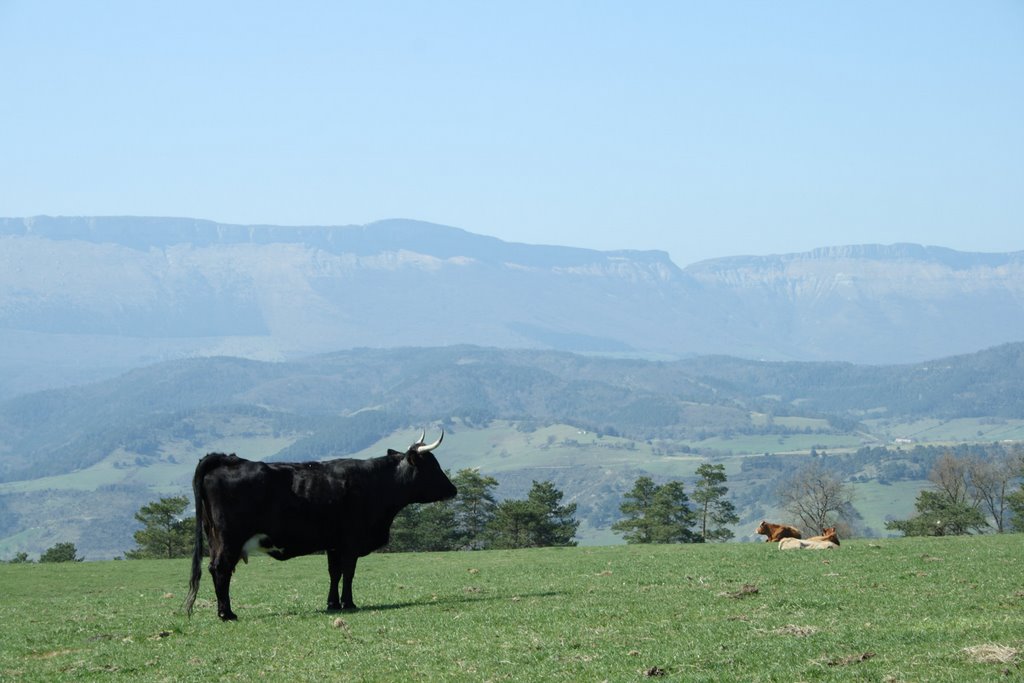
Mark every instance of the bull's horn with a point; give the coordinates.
(418, 441)
(430, 446)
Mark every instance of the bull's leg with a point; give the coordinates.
(349, 568)
(222, 564)
(334, 569)
(341, 566)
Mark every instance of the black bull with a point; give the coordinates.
(343, 506)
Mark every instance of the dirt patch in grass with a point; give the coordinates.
(746, 590)
(991, 654)
(794, 630)
(849, 659)
(51, 654)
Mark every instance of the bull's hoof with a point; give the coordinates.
(228, 616)
(341, 607)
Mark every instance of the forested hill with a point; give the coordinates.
(76, 464)
(987, 383)
(342, 402)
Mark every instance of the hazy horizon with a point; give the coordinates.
(690, 128)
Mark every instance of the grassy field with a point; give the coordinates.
(941, 609)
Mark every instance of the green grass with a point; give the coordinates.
(897, 609)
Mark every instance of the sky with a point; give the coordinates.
(704, 129)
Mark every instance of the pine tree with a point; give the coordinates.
(657, 514)
(671, 515)
(713, 510)
(540, 520)
(164, 534)
(635, 524)
(473, 508)
(557, 524)
(513, 525)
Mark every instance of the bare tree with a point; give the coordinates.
(949, 475)
(816, 496)
(991, 481)
(983, 483)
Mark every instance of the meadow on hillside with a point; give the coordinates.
(912, 609)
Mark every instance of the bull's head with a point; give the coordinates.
(428, 482)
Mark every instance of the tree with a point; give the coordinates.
(20, 558)
(473, 508)
(540, 520)
(62, 552)
(990, 481)
(513, 525)
(1015, 503)
(635, 525)
(938, 515)
(656, 514)
(713, 510)
(949, 509)
(1015, 500)
(164, 534)
(816, 496)
(672, 516)
(557, 523)
(949, 475)
(961, 488)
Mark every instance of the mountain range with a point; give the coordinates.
(86, 298)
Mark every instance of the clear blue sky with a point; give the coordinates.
(702, 128)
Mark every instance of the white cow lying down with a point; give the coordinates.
(801, 544)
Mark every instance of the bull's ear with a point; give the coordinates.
(392, 451)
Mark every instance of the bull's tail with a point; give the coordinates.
(205, 465)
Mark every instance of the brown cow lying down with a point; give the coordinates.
(777, 532)
(828, 534)
(800, 544)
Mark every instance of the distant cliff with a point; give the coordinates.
(871, 303)
(83, 297)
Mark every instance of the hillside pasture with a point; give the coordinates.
(959, 430)
(878, 503)
(759, 444)
(894, 609)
